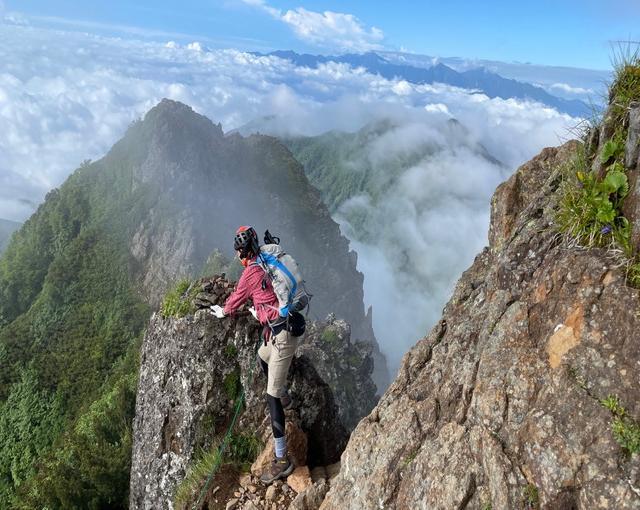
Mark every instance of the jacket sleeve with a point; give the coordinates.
(240, 295)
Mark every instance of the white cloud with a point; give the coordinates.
(195, 46)
(276, 13)
(571, 90)
(12, 18)
(426, 227)
(333, 29)
(328, 29)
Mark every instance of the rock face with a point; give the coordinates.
(632, 163)
(191, 372)
(346, 366)
(500, 405)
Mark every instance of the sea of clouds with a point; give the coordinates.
(69, 96)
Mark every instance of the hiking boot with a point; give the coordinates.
(279, 468)
(285, 400)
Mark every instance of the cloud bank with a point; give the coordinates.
(424, 229)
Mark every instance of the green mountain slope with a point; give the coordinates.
(343, 165)
(79, 279)
(7, 227)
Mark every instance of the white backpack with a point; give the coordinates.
(286, 278)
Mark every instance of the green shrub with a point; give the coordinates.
(232, 384)
(330, 336)
(178, 301)
(88, 466)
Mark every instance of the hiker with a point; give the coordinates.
(279, 336)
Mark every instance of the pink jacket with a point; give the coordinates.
(250, 286)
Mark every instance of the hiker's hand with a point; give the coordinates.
(253, 312)
(217, 311)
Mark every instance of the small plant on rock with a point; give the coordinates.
(626, 431)
(590, 208)
(232, 385)
(530, 496)
(330, 335)
(178, 301)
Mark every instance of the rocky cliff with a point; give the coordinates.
(525, 394)
(194, 369)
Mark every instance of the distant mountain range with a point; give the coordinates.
(7, 227)
(478, 79)
(588, 85)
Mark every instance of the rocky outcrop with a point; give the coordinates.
(346, 366)
(632, 164)
(192, 370)
(500, 406)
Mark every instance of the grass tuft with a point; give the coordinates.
(241, 451)
(626, 430)
(625, 87)
(530, 496)
(178, 302)
(232, 384)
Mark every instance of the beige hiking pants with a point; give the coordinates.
(278, 354)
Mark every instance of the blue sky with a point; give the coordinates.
(565, 32)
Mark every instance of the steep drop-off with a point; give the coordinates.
(502, 405)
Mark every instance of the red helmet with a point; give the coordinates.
(246, 242)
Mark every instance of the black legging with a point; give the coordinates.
(275, 407)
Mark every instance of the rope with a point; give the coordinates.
(225, 441)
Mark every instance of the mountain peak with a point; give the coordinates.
(177, 113)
